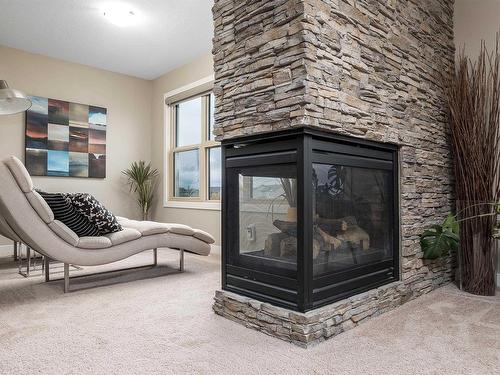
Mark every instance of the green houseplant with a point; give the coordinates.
(142, 179)
(440, 240)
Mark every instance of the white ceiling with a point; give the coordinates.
(168, 33)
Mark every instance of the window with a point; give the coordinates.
(214, 170)
(194, 158)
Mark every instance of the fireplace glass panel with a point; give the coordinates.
(309, 217)
(352, 217)
(268, 216)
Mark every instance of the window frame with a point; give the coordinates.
(203, 88)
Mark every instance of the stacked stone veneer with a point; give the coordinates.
(367, 68)
(307, 329)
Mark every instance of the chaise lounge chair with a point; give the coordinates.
(27, 218)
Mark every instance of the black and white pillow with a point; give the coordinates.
(95, 212)
(66, 213)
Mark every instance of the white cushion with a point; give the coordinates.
(180, 229)
(149, 228)
(41, 207)
(20, 173)
(125, 235)
(203, 236)
(64, 232)
(146, 228)
(94, 242)
(188, 243)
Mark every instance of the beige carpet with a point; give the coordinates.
(165, 325)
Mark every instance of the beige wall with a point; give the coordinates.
(476, 20)
(127, 99)
(202, 67)
(135, 125)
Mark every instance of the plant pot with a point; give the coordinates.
(291, 214)
(477, 253)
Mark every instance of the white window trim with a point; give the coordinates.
(186, 91)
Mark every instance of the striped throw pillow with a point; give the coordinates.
(65, 212)
(95, 212)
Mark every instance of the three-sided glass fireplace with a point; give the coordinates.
(309, 217)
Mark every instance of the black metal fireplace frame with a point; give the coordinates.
(302, 146)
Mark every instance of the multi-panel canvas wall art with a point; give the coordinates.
(65, 139)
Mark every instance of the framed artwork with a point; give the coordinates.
(65, 139)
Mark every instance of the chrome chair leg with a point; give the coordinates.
(15, 250)
(46, 262)
(66, 277)
(35, 260)
(155, 257)
(28, 260)
(181, 260)
(20, 260)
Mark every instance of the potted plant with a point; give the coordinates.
(441, 239)
(473, 96)
(142, 179)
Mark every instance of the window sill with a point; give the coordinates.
(213, 206)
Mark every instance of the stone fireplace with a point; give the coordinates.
(334, 108)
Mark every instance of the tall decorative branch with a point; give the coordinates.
(474, 103)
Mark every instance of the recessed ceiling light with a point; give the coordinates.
(120, 14)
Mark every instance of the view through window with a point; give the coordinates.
(195, 157)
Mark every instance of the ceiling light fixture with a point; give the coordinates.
(120, 14)
(11, 100)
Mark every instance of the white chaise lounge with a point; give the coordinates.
(26, 217)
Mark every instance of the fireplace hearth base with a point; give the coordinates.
(311, 328)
